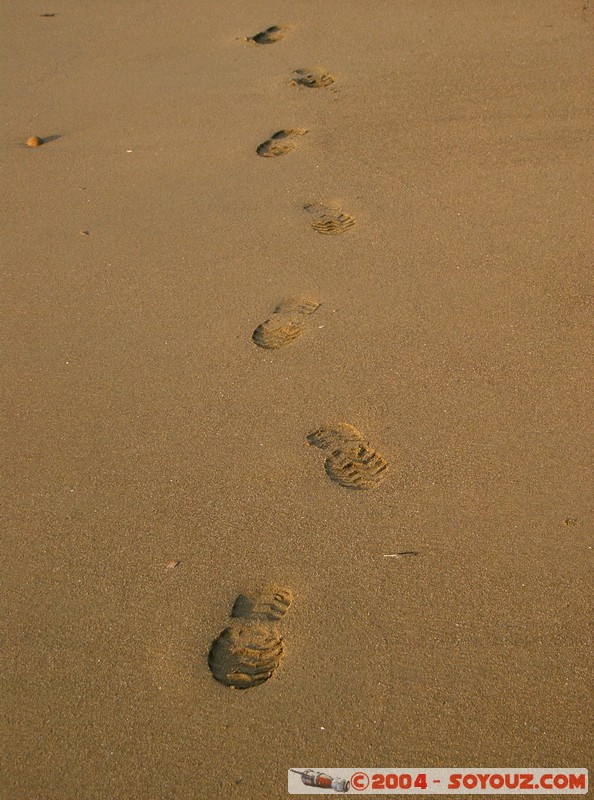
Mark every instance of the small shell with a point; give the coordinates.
(34, 141)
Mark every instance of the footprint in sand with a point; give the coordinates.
(286, 323)
(312, 78)
(251, 649)
(329, 219)
(275, 33)
(351, 462)
(280, 143)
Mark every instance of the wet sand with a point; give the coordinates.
(145, 241)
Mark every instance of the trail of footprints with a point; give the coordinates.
(251, 648)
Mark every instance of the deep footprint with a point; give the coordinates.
(280, 143)
(286, 324)
(251, 649)
(351, 462)
(329, 219)
(275, 33)
(312, 78)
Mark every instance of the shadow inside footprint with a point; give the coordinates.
(275, 33)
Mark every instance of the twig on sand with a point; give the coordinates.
(403, 553)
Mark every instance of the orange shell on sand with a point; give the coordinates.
(34, 141)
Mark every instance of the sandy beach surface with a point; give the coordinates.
(155, 461)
